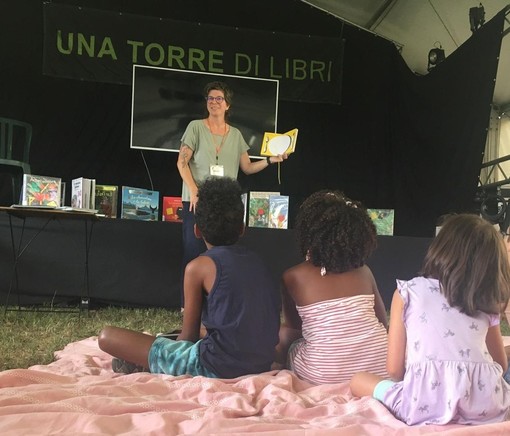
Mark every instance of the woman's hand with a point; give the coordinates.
(193, 198)
(279, 158)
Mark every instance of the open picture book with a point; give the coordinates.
(274, 144)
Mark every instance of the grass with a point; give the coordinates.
(31, 338)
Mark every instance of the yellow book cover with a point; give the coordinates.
(274, 144)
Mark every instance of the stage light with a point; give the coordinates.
(476, 17)
(436, 56)
(495, 209)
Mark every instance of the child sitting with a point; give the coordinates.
(446, 357)
(228, 289)
(334, 317)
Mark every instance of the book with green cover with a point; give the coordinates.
(258, 208)
(383, 220)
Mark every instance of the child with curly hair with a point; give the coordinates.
(334, 317)
(446, 357)
(228, 289)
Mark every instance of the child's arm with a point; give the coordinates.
(397, 339)
(291, 317)
(198, 277)
(380, 310)
(495, 346)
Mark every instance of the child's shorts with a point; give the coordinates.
(167, 356)
(381, 388)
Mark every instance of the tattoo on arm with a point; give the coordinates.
(183, 152)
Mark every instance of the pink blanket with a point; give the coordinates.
(79, 394)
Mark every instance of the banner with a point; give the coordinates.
(102, 46)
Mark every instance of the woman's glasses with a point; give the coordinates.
(217, 99)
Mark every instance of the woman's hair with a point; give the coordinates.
(219, 213)
(335, 232)
(469, 259)
(228, 93)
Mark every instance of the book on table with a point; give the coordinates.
(258, 208)
(83, 193)
(40, 191)
(244, 199)
(172, 209)
(139, 204)
(383, 220)
(278, 212)
(106, 200)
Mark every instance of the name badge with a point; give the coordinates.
(217, 170)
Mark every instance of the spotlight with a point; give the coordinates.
(476, 17)
(436, 56)
(495, 209)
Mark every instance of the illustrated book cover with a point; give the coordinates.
(172, 209)
(258, 208)
(139, 204)
(278, 211)
(40, 191)
(83, 193)
(274, 144)
(383, 220)
(106, 200)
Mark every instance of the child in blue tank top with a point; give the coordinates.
(228, 290)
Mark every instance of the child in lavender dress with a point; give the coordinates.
(446, 357)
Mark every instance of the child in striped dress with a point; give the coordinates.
(334, 317)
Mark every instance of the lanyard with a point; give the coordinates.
(216, 146)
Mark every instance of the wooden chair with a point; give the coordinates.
(15, 140)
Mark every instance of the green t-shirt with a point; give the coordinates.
(199, 139)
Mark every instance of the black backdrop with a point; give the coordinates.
(414, 144)
(398, 140)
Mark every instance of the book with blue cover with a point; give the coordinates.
(139, 204)
(278, 211)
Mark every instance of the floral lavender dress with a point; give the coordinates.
(450, 376)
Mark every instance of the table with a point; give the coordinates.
(20, 246)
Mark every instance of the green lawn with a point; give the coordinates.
(31, 338)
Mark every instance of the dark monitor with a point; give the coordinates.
(165, 100)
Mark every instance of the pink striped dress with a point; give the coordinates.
(340, 337)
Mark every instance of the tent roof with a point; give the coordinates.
(418, 26)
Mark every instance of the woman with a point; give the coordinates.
(211, 146)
